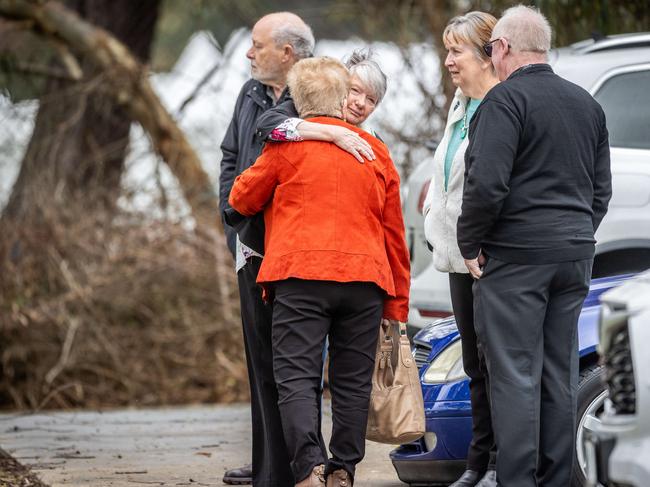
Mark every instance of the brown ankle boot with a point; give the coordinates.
(316, 478)
(339, 478)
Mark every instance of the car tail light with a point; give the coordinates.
(433, 313)
(423, 195)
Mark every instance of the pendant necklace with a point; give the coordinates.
(464, 127)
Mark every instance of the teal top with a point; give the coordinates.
(458, 134)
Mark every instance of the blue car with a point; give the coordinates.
(439, 457)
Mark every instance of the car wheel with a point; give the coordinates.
(591, 399)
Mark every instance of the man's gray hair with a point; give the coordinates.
(525, 28)
(361, 64)
(299, 37)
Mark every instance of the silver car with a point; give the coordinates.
(616, 71)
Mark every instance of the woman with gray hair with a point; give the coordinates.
(368, 85)
(472, 73)
(335, 263)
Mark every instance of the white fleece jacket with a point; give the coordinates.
(442, 208)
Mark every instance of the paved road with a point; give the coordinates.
(164, 447)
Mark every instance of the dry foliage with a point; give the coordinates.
(99, 311)
(13, 474)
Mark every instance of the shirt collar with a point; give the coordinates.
(271, 94)
(531, 68)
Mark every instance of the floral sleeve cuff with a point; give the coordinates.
(287, 131)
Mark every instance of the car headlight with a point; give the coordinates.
(613, 318)
(447, 366)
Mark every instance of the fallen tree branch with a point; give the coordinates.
(65, 352)
(128, 82)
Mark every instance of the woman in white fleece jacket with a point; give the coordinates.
(472, 72)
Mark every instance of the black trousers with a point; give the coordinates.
(481, 453)
(305, 313)
(526, 317)
(270, 457)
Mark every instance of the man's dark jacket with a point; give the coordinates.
(537, 173)
(241, 146)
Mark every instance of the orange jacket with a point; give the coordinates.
(328, 217)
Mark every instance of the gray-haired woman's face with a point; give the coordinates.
(360, 103)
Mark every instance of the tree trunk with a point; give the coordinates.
(77, 150)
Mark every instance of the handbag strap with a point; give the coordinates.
(405, 346)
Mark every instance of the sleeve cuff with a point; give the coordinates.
(470, 252)
(395, 311)
(287, 131)
(233, 218)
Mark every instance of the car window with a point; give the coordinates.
(625, 98)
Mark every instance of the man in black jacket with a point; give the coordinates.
(537, 185)
(279, 40)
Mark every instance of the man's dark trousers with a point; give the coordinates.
(526, 319)
(271, 466)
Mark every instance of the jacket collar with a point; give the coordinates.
(458, 106)
(258, 93)
(530, 69)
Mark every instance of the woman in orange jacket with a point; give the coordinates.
(336, 262)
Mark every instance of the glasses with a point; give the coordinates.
(487, 47)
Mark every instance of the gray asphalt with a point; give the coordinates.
(166, 447)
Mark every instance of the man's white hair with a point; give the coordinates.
(525, 28)
(298, 35)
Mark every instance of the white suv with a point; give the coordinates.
(616, 71)
(619, 440)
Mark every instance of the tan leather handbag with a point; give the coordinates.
(396, 410)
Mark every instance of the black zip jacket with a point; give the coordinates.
(240, 148)
(537, 173)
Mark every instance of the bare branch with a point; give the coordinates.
(40, 70)
(8, 26)
(225, 59)
(128, 83)
(65, 352)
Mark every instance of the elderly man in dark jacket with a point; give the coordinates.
(537, 186)
(279, 40)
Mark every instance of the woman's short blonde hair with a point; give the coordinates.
(319, 86)
(473, 28)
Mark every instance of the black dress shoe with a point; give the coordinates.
(468, 479)
(239, 476)
(489, 479)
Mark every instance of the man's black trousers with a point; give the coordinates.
(481, 453)
(305, 312)
(526, 319)
(270, 458)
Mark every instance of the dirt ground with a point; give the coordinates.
(160, 447)
(13, 474)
